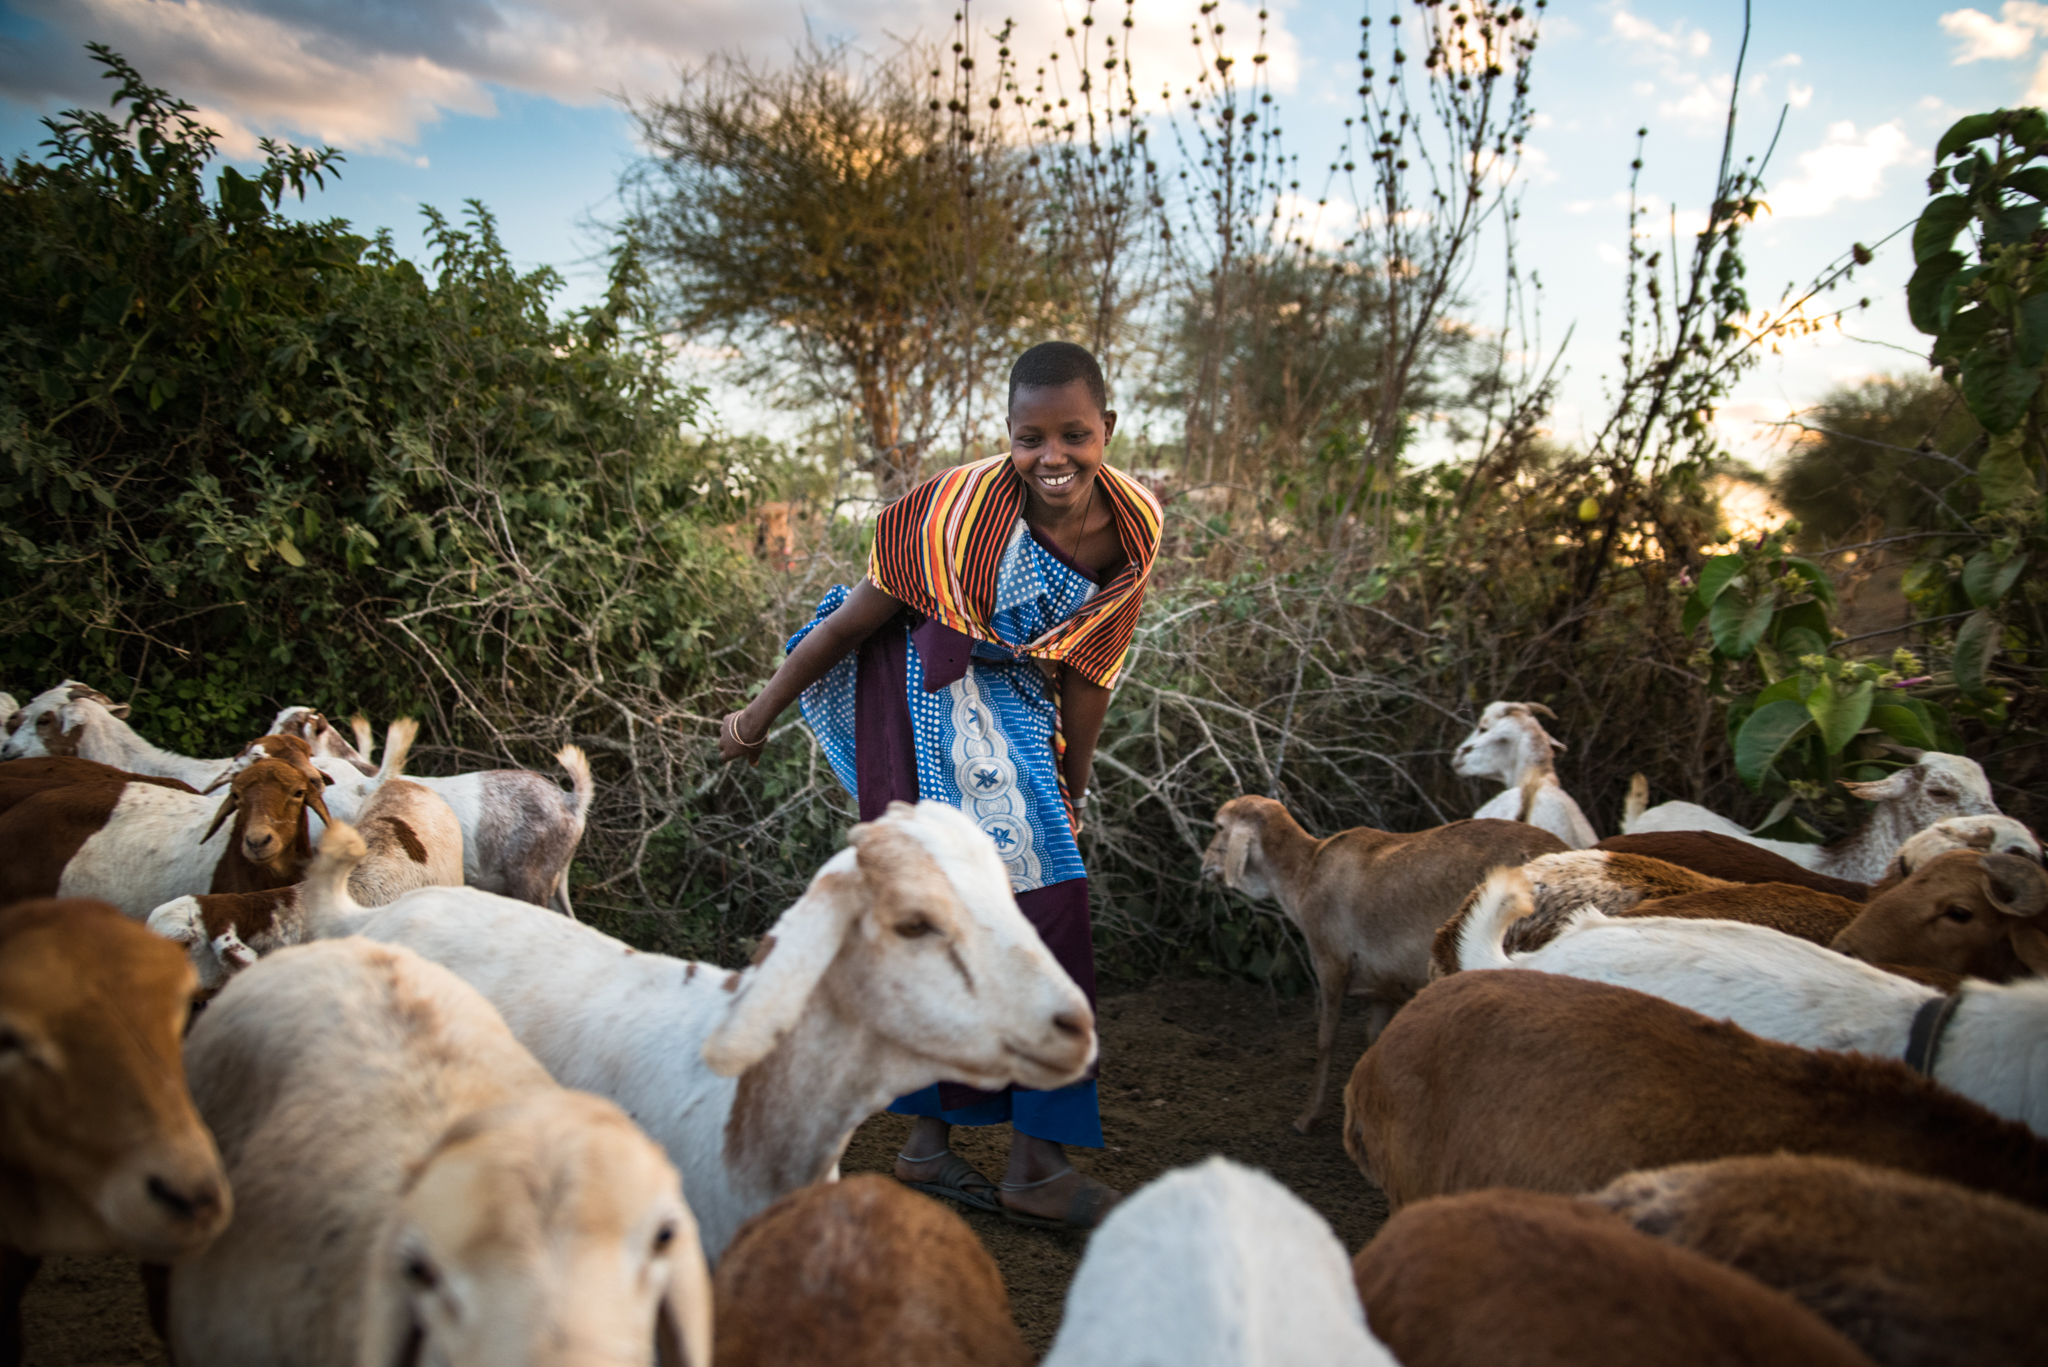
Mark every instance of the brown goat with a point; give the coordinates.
(1527, 1079)
(1918, 1273)
(861, 1273)
(1728, 859)
(101, 1150)
(1498, 1277)
(1969, 913)
(1366, 901)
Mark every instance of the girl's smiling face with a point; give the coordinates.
(1057, 440)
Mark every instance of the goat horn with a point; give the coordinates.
(2014, 885)
(227, 805)
(1908, 751)
(227, 775)
(1540, 710)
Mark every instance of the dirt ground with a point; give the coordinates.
(1189, 1069)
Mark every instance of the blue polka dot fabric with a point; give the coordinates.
(984, 743)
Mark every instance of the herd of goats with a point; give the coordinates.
(331, 1057)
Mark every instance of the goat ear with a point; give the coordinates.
(227, 805)
(2014, 885)
(318, 803)
(2030, 942)
(1892, 785)
(682, 1325)
(1235, 853)
(233, 950)
(807, 940)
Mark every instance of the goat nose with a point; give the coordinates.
(1070, 1025)
(198, 1204)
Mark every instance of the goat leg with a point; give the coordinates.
(1334, 983)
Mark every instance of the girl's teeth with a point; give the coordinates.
(1055, 480)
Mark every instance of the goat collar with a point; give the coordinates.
(1923, 1042)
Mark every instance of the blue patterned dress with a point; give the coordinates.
(981, 719)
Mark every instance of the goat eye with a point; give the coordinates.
(420, 1274)
(663, 1237)
(911, 930)
(11, 1043)
(1962, 916)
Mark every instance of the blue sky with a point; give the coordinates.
(510, 102)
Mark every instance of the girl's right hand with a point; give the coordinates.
(731, 746)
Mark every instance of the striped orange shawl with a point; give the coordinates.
(938, 548)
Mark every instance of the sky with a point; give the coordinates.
(517, 103)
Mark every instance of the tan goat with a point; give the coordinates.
(1367, 901)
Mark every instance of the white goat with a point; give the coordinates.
(77, 719)
(1933, 788)
(1511, 746)
(1214, 1265)
(1987, 834)
(310, 726)
(906, 963)
(1993, 1050)
(412, 1187)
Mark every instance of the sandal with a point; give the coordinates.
(957, 1180)
(1091, 1201)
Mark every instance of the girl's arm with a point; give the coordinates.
(1083, 705)
(866, 610)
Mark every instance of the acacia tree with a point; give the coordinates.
(862, 228)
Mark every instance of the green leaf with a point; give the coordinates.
(2032, 180)
(289, 553)
(1839, 712)
(1998, 388)
(1903, 725)
(1799, 642)
(1923, 291)
(1791, 688)
(1986, 578)
(1976, 644)
(2032, 333)
(1764, 737)
(2015, 224)
(108, 305)
(1778, 813)
(1939, 223)
(2004, 479)
(1965, 131)
(1717, 575)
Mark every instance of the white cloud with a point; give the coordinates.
(1846, 166)
(1983, 38)
(1630, 28)
(369, 77)
(1798, 96)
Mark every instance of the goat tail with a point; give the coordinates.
(398, 739)
(572, 758)
(366, 739)
(324, 894)
(1637, 802)
(1506, 897)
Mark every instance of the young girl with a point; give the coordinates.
(973, 666)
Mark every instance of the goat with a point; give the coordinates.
(1214, 1265)
(310, 726)
(518, 830)
(413, 840)
(413, 1187)
(859, 1272)
(905, 963)
(101, 1150)
(1935, 786)
(1916, 1272)
(1984, 834)
(138, 845)
(21, 779)
(1510, 745)
(1557, 1084)
(1938, 923)
(1964, 912)
(1728, 860)
(1366, 901)
(1789, 990)
(1517, 1277)
(77, 719)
